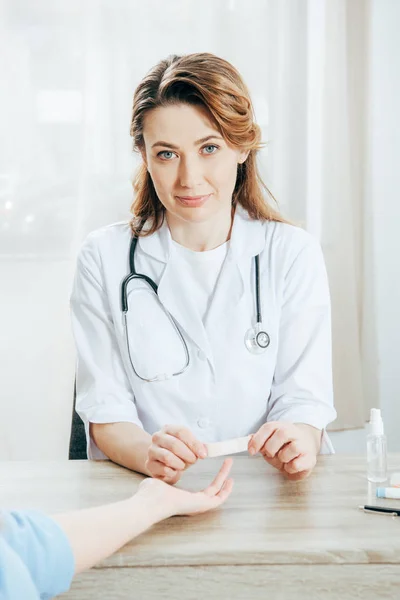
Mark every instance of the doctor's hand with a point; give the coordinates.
(292, 448)
(170, 501)
(172, 450)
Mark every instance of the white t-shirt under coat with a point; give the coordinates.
(201, 274)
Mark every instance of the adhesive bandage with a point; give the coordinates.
(227, 447)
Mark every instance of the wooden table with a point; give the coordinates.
(272, 539)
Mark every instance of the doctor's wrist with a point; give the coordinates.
(313, 434)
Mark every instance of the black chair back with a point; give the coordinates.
(77, 441)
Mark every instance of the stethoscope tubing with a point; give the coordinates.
(124, 308)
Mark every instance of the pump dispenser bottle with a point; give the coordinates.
(376, 448)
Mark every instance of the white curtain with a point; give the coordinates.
(67, 73)
(317, 59)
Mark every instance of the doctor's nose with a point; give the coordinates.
(190, 174)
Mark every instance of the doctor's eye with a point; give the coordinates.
(163, 154)
(213, 147)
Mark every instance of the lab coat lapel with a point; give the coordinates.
(158, 245)
(247, 240)
(178, 300)
(228, 293)
(171, 289)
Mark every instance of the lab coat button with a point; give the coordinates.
(203, 423)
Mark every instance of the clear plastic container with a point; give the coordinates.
(376, 449)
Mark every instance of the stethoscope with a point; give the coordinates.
(256, 339)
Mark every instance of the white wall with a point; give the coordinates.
(35, 416)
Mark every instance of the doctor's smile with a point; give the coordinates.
(193, 201)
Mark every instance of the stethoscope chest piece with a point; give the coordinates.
(256, 339)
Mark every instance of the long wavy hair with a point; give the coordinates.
(213, 83)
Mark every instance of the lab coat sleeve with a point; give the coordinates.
(103, 393)
(302, 389)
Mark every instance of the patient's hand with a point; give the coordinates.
(174, 501)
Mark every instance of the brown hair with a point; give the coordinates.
(212, 82)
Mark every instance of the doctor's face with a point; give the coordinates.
(192, 167)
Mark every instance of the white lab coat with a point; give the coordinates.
(226, 392)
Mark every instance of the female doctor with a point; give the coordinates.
(207, 317)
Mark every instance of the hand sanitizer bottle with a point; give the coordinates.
(376, 448)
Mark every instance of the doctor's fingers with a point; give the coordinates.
(186, 436)
(301, 464)
(259, 438)
(278, 440)
(289, 452)
(174, 445)
(274, 462)
(289, 470)
(297, 476)
(166, 457)
(160, 471)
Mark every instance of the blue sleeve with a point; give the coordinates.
(36, 542)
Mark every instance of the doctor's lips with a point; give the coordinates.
(193, 200)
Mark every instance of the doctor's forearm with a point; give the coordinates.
(124, 443)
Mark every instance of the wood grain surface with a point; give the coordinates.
(290, 539)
